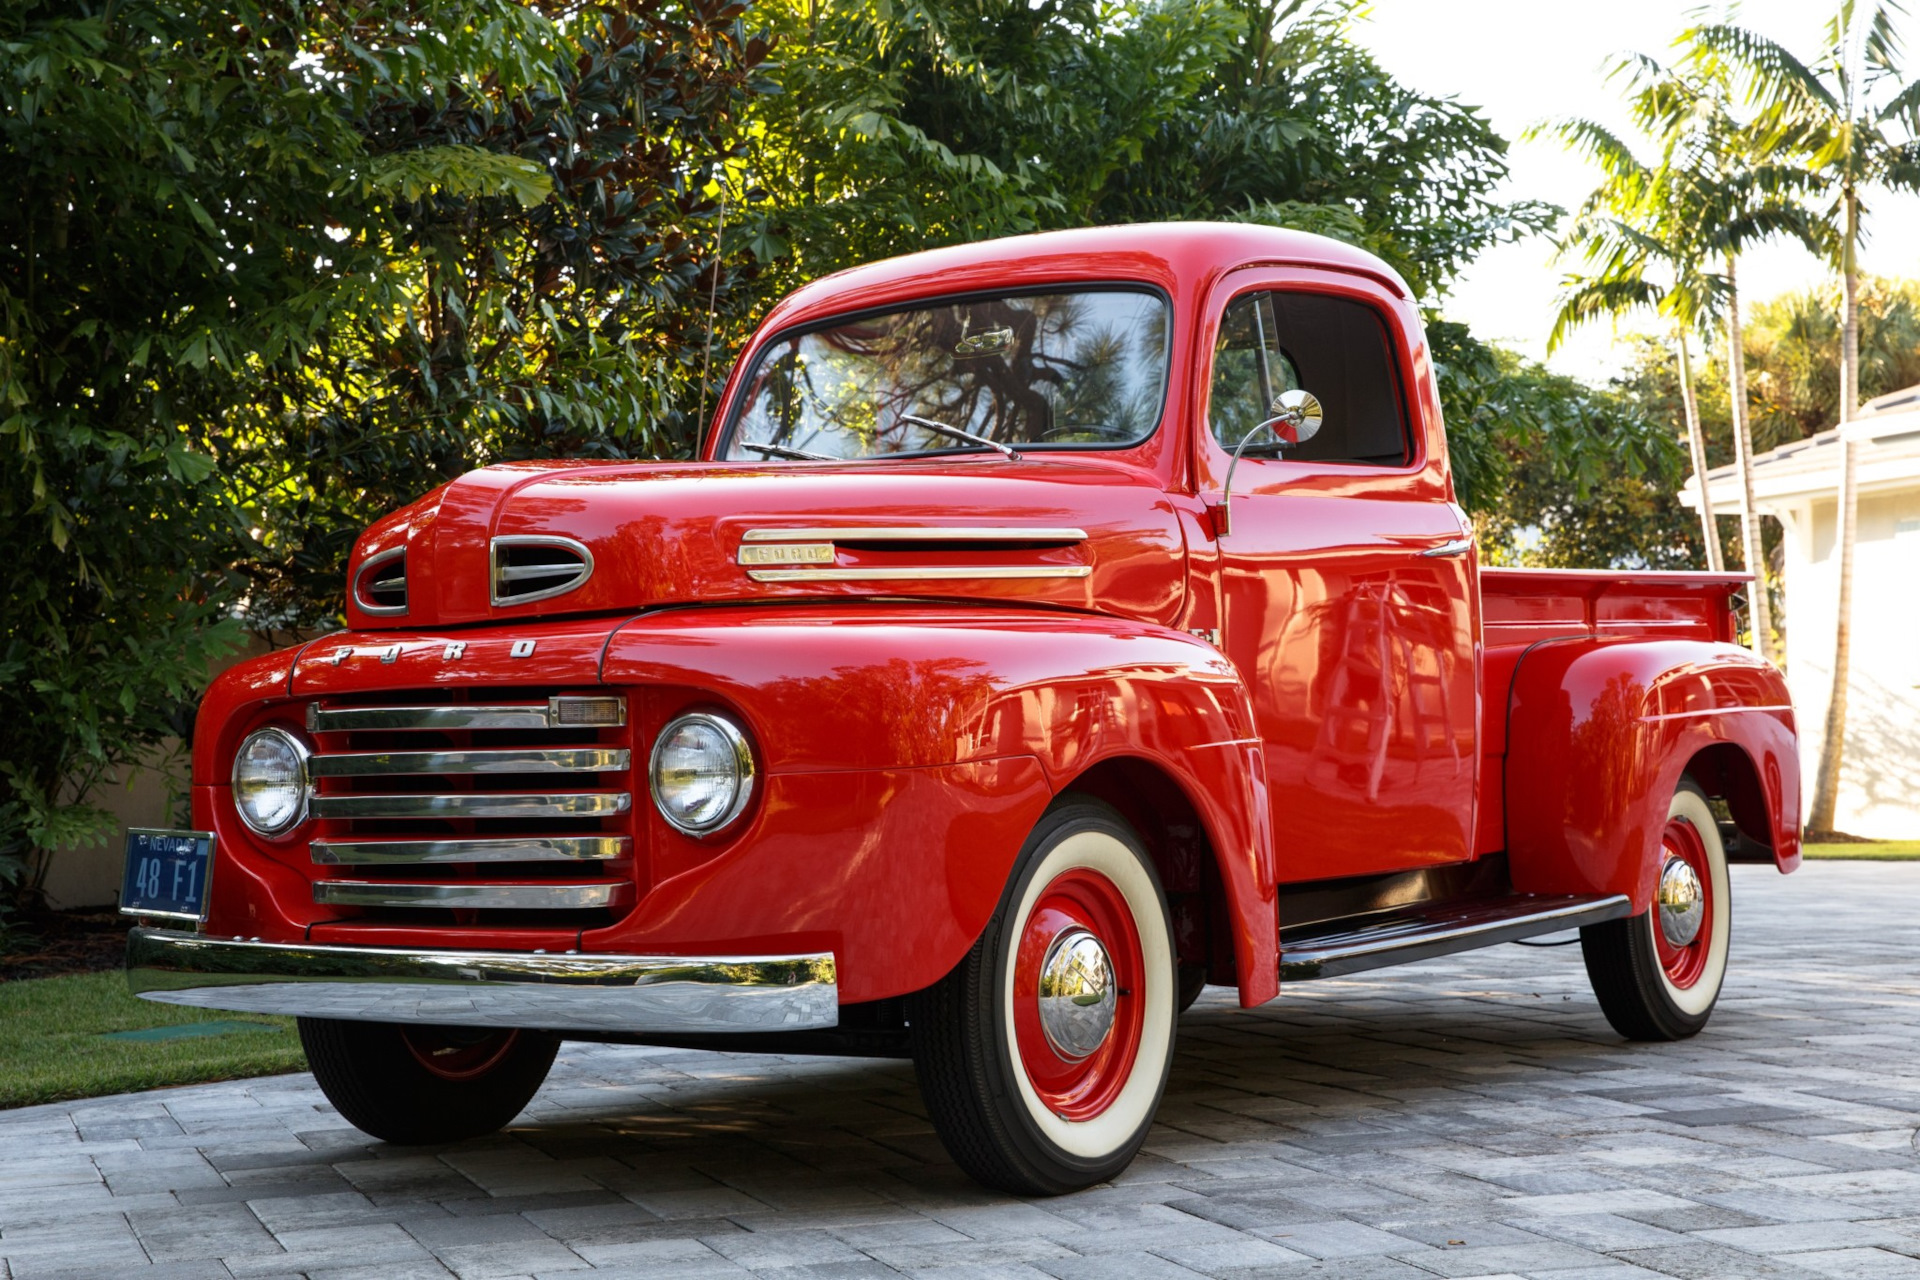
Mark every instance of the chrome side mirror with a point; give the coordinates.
(1296, 419)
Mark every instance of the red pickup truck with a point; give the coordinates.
(1048, 628)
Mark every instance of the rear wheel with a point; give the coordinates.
(1659, 974)
(413, 1085)
(1043, 1054)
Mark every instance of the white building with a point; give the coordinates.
(1799, 483)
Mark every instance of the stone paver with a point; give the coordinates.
(1469, 1117)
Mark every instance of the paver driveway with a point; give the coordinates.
(1466, 1117)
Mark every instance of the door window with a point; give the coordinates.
(1335, 348)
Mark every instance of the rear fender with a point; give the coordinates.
(1600, 733)
(836, 690)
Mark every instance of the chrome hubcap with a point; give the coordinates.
(1077, 994)
(1682, 904)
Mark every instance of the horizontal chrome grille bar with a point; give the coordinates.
(370, 853)
(566, 712)
(905, 573)
(496, 897)
(362, 764)
(478, 804)
(916, 533)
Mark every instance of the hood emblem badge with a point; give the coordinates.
(521, 649)
(455, 650)
(786, 553)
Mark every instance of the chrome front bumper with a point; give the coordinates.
(600, 993)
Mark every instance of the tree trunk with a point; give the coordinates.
(1699, 448)
(1826, 785)
(1752, 545)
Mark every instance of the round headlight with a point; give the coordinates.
(702, 773)
(270, 781)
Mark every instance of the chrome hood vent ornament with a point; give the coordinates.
(380, 587)
(523, 568)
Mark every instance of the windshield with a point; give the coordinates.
(1086, 368)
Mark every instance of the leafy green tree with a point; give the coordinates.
(161, 225)
(1793, 347)
(1557, 473)
(1850, 120)
(903, 127)
(273, 266)
(564, 318)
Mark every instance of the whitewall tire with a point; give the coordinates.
(1658, 975)
(1043, 1054)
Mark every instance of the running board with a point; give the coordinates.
(1330, 948)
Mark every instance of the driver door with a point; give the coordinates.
(1346, 577)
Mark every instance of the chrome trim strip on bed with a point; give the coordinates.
(362, 764)
(916, 533)
(605, 993)
(473, 897)
(905, 573)
(472, 804)
(377, 853)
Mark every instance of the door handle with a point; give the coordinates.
(1457, 547)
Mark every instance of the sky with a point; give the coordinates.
(1524, 61)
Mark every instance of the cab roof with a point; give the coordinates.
(1177, 257)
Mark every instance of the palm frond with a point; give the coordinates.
(1903, 108)
(1773, 75)
(1900, 167)
(1588, 298)
(1594, 141)
(1882, 41)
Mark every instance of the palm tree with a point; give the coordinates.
(1632, 223)
(1848, 120)
(1722, 184)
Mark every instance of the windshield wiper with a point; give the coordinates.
(955, 433)
(785, 451)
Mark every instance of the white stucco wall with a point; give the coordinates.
(1880, 773)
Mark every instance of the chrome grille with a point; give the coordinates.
(529, 567)
(514, 809)
(380, 587)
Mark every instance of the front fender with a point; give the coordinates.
(1600, 732)
(832, 691)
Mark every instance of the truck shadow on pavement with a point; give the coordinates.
(1341, 1071)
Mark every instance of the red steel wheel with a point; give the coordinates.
(1077, 1011)
(1683, 904)
(458, 1053)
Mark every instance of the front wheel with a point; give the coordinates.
(1043, 1054)
(412, 1085)
(1659, 974)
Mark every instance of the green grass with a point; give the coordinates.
(1878, 851)
(52, 1044)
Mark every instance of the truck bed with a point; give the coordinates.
(1523, 607)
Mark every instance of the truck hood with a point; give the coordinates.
(619, 537)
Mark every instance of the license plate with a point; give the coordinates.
(167, 873)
